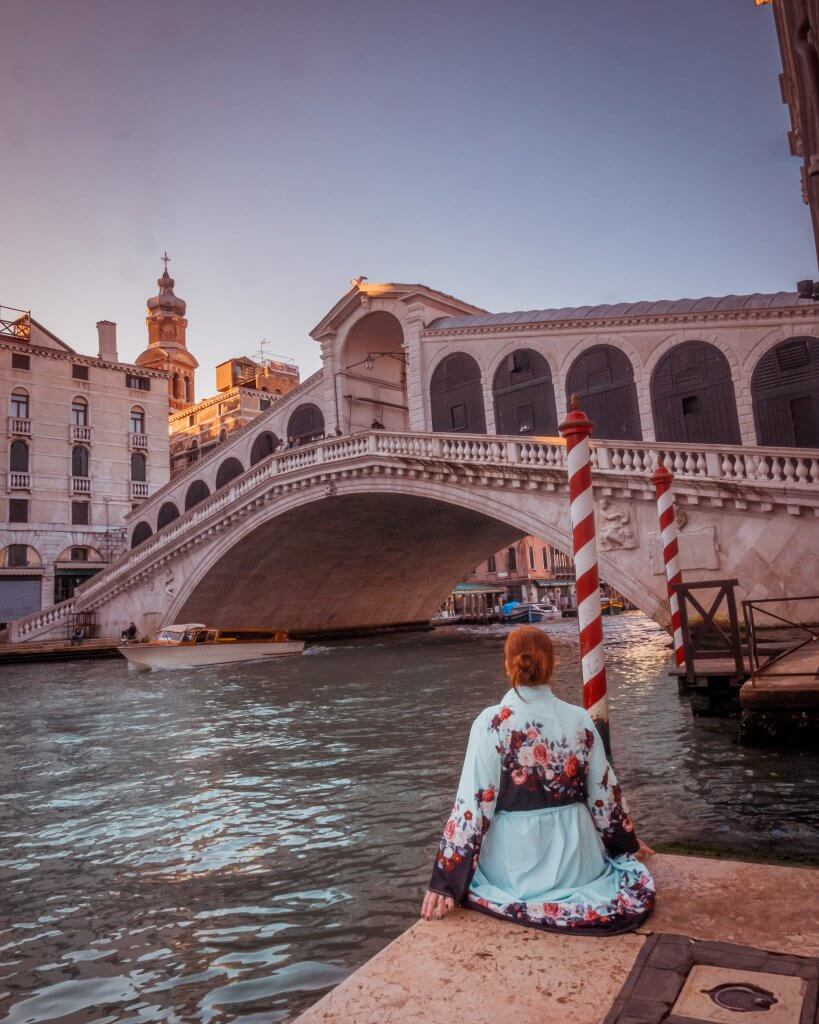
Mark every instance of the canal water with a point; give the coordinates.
(226, 844)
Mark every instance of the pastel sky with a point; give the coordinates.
(516, 153)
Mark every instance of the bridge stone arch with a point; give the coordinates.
(264, 444)
(457, 394)
(693, 397)
(228, 470)
(168, 511)
(372, 375)
(524, 394)
(605, 379)
(306, 422)
(785, 392)
(196, 493)
(141, 532)
(474, 352)
(590, 341)
(397, 579)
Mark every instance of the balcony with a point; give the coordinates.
(139, 489)
(81, 484)
(80, 433)
(20, 425)
(19, 481)
(137, 441)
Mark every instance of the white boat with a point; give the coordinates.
(191, 644)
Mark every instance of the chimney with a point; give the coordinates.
(107, 331)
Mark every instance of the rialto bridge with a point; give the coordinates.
(371, 527)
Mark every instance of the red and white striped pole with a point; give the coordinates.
(576, 430)
(662, 480)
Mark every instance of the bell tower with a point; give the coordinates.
(167, 346)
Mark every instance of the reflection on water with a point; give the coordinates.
(226, 844)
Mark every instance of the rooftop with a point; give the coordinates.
(661, 307)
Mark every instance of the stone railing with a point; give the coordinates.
(81, 484)
(20, 425)
(793, 470)
(33, 624)
(19, 481)
(137, 440)
(79, 433)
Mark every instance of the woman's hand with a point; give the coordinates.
(644, 851)
(436, 906)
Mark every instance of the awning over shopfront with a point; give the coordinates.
(478, 588)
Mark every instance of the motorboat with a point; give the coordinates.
(193, 644)
(524, 613)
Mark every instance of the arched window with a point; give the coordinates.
(175, 385)
(19, 405)
(223, 434)
(524, 395)
(692, 396)
(196, 493)
(137, 420)
(18, 457)
(785, 393)
(193, 451)
(80, 460)
(188, 390)
(603, 377)
(511, 560)
(142, 531)
(456, 396)
(531, 557)
(79, 412)
(167, 513)
(227, 471)
(139, 467)
(306, 423)
(265, 444)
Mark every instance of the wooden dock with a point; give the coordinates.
(58, 650)
(780, 701)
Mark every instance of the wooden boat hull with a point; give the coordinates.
(150, 657)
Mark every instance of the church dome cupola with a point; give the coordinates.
(167, 344)
(166, 301)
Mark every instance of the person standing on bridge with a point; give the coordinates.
(539, 832)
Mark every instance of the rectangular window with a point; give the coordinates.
(192, 420)
(20, 362)
(690, 405)
(526, 419)
(531, 557)
(140, 383)
(264, 403)
(17, 556)
(490, 564)
(79, 554)
(458, 415)
(545, 558)
(79, 372)
(18, 510)
(80, 513)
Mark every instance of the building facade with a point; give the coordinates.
(245, 388)
(528, 570)
(86, 440)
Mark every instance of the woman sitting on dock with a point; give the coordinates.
(540, 832)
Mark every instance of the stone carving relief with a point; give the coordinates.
(680, 517)
(170, 583)
(330, 489)
(616, 528)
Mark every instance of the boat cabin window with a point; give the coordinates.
(190, 636)
(211, 635)
(168, 634)
(201, 636)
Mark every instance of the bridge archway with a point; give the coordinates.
(373, 380)
(228, 470)
(785, 394)
(603, 377)
(405, 550)
(142, 531)
(306, 423)
(456, 395)
(197, 492)
(524, 395)
(166, 515)
(692, 396)
(264, 444)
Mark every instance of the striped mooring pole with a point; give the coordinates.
(662, 480)
(576, 430)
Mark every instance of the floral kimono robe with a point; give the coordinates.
(540, 832)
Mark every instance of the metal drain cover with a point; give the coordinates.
(723, 995)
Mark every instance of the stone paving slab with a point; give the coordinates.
(471, 968)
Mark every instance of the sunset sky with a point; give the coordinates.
(516, 154)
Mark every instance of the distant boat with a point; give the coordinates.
(525, 613)
(610, 606)
(193, 644)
